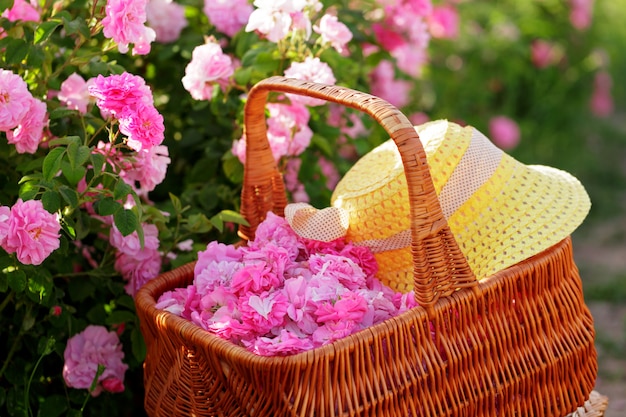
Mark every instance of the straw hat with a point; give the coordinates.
(499, 210)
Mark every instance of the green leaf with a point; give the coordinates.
(53, 406)
(66, 140)
(17, 280)
(52, 163)
(77, 25)
(233, 168)
(81, 289)
(78, 155)
(72, 174)
(39, 287)
(138, 345)
(322, 143)
(16, 51)
(69, 195)
(4, 5)
(97, 162)
(107, 206)
(232, 216)
(121, 190)
(199, 223)
(126, 221)
(178, 206)
(51, 201)
(218, 222)
(120, 316)
(61, 112)
(44, 30)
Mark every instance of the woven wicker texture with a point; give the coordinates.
(518, 343)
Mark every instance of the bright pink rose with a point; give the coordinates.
(85, 351)
(228, 16)
(601, 102)
(22, 10)
(28, 134)
(124, 23)
(33, 232)
(386, 37)
(334, 32)
(116, 94)
(138, 269)
(444, 22)
(15, 100)
(410, 58)
(261, 313)
(275, 229)
(217, 252)
(208, 66)
(363, 257)
(75, 93)
(255, 278)
(386, 86)
(312, 69)
(166, 18)
(504, 132)
(149, 168)
(143, 125)
(333, 330)
(173, 301)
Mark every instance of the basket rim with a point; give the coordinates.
(147, 295)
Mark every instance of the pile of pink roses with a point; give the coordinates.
(283, 294)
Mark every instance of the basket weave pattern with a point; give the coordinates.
(517, 343)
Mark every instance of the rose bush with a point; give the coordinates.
(121, 143)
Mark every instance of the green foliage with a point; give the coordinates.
(485, 71)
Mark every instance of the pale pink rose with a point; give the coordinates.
(274, 24)
(143, 126)
(504, 132)
(542, 53)
(580, 13)
(418, 7)
(334, 32)
(386, 86)
(410, 58)
(148, 168)
(24, 11)
(33, 232)
(314, 70)
(299, 195)
(74, 93)
(15, 100)
(208, 66)
(139, 268)
(341, 268)
(167, 18)
(300, 22)
(29, 133)
(216, 252)
(333, 330)
(173, 301)
(228, 16)
(444, 22)
(239, 149)
(85, 351)
(130, 244)
(286, 343)
(5, 213)
(353, 127)
(124, 23)
(601, 102)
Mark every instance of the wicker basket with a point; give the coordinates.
(518, 343)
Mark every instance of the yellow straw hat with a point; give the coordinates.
(499, 210)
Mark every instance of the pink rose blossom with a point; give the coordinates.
(334, 32)
(174, 301)
(333, 330)
(216, 252)
(124, 23)
(542, 53)
(116, 94)
(504, 132)
(286, 343)
(22, 10)
(350, 306)
(601, 102)
(580, 13)
(130, 244)
(32, 233)
(29, 132)
(275, 229)
(410, 59)
(343, 269)
(75, 93)
(5, 214)
(444, 22)
(208, 66)
(385, 85)
(138, 269)
(15, 100)
(85, 351)
(228, 16)
(167, 18)
(255, 278)
(386, 37)
(273, 18)
(260, 313)
(148, 168)
(143, 125)
(314, 70)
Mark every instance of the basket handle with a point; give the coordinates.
(439, 266)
